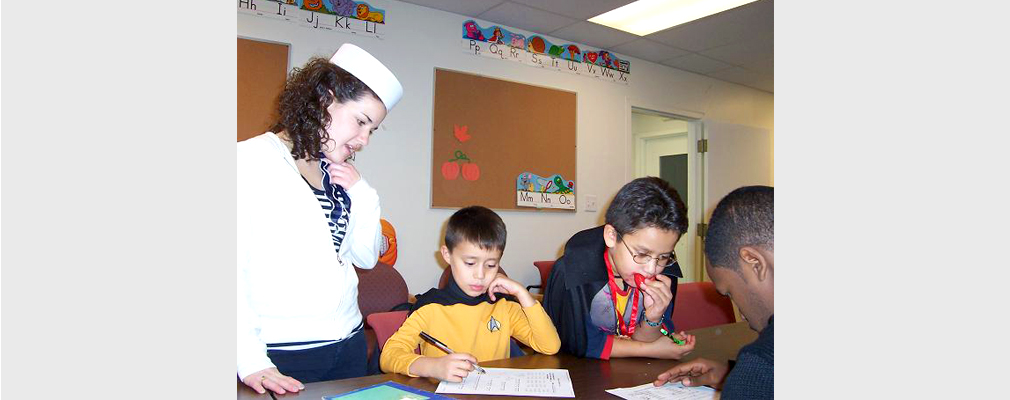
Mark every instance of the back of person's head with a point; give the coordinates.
(644, 203)
(745, 217)
(477, 225)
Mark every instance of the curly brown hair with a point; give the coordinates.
(301, 107)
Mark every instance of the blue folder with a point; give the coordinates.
(387, 390)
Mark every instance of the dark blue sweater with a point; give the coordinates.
(753, 374)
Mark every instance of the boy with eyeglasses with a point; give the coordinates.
(611, 293)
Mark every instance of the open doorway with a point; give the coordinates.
(664, 146)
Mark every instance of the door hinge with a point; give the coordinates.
(703, 145)
(702, 229)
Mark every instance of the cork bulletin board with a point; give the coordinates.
(262, 71)
(491, 136)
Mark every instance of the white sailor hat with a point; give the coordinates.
(370, 71)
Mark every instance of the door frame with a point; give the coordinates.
(696, 203)
(642, 140)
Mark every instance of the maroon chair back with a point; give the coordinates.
(699, 305)
(545, 271)
(380, 289)
(447, 274)
(385, 324)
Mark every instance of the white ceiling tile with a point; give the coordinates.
(525, 17)
(766, 83)
(741, 23)
(735, 74)
(463, 7)
(746, 52)
(739, 75)
(698, 35)
(746, 77)
(697, 63)
(649, 50)
(581, 10)
(594, 35)
(765, 66)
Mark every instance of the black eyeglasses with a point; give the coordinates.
(664, 260)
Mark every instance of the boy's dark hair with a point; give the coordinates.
(644, 203)
(478, 225)
(745, 217)
(301, 107)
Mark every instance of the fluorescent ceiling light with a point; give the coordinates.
(647, 16)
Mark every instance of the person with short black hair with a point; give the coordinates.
(476, 225)
(305, 218)
(466, 315)
(740, 246)
(612, 292)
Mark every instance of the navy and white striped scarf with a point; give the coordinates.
(333, 194)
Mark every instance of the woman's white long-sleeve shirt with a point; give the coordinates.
(292, 285)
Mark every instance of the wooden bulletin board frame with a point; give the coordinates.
(510, 128)
(262, 72)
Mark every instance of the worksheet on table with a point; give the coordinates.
(513, 382)
(666, 392)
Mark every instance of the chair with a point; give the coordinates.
(545, 272)
(385, 324)
(699, 305)
(379, 290)
(447, 274)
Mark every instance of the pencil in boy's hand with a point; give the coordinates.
(446, 349)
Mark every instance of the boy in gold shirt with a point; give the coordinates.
(467, 315)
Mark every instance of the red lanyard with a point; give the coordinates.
(614, 291)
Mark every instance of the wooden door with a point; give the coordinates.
(262, 70)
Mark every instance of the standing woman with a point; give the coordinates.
(305, 215)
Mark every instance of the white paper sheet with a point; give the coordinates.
(667, 391)
(513, 382)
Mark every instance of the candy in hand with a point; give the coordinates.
(639, 280)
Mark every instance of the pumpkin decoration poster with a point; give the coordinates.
(460, 161)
